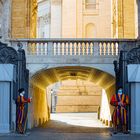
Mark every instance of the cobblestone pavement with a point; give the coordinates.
(77, 127)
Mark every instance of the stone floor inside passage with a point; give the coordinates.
(71, 126)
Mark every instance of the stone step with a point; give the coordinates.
(85, 108)
(78, 93)
(78, 100)
(79, 87)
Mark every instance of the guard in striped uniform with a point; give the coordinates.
(119, 117)
(20, 115)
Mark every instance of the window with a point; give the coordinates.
(90, 30)
(90, 4)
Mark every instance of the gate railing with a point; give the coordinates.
(74, 47)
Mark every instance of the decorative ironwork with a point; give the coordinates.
(133, 56)
(7, 54)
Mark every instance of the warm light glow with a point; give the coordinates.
(105, 109)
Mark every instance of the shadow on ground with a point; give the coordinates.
(61, 127)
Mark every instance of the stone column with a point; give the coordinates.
(134, 80)
(56, 19)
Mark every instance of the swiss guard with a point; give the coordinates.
(21, 116)
(119, 117)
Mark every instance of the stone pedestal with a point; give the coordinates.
(7, 110)
(134, 79)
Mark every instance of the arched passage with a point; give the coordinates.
(39, 111)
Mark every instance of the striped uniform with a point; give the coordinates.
(119, 115)
(20, 119)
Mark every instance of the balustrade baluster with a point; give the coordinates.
(37, 48)
(86, 48)
(41, 48)
(91, 48)
(101, 48)
(65, 48)
(116, 48)
(112, 48)
(60, 48)
(81, 48)
(104, 48)
(108, 48)
(84, 53)
(46, 48)
(56, 48)
(43, 44)
(69, 49)
(72, 46)
(76, 49)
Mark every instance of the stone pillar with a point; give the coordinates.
(56, 17)
(7, 105)
(134, 80)
(33, 18)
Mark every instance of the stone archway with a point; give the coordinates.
(39, 82)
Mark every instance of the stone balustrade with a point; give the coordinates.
(75, 47)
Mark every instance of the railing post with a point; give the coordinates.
(50, 48)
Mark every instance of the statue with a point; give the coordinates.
(119, 117)
(21, 118)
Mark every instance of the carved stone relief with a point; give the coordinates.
(45, 19)
(133, 56)
(7, 54)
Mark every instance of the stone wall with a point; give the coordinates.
(78, 96)
(38, 108)
(70, 19)
(24, 20)
(78, 103)
(75, 18)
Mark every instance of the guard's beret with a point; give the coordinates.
(21, 90)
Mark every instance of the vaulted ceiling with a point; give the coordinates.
(50, 76)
